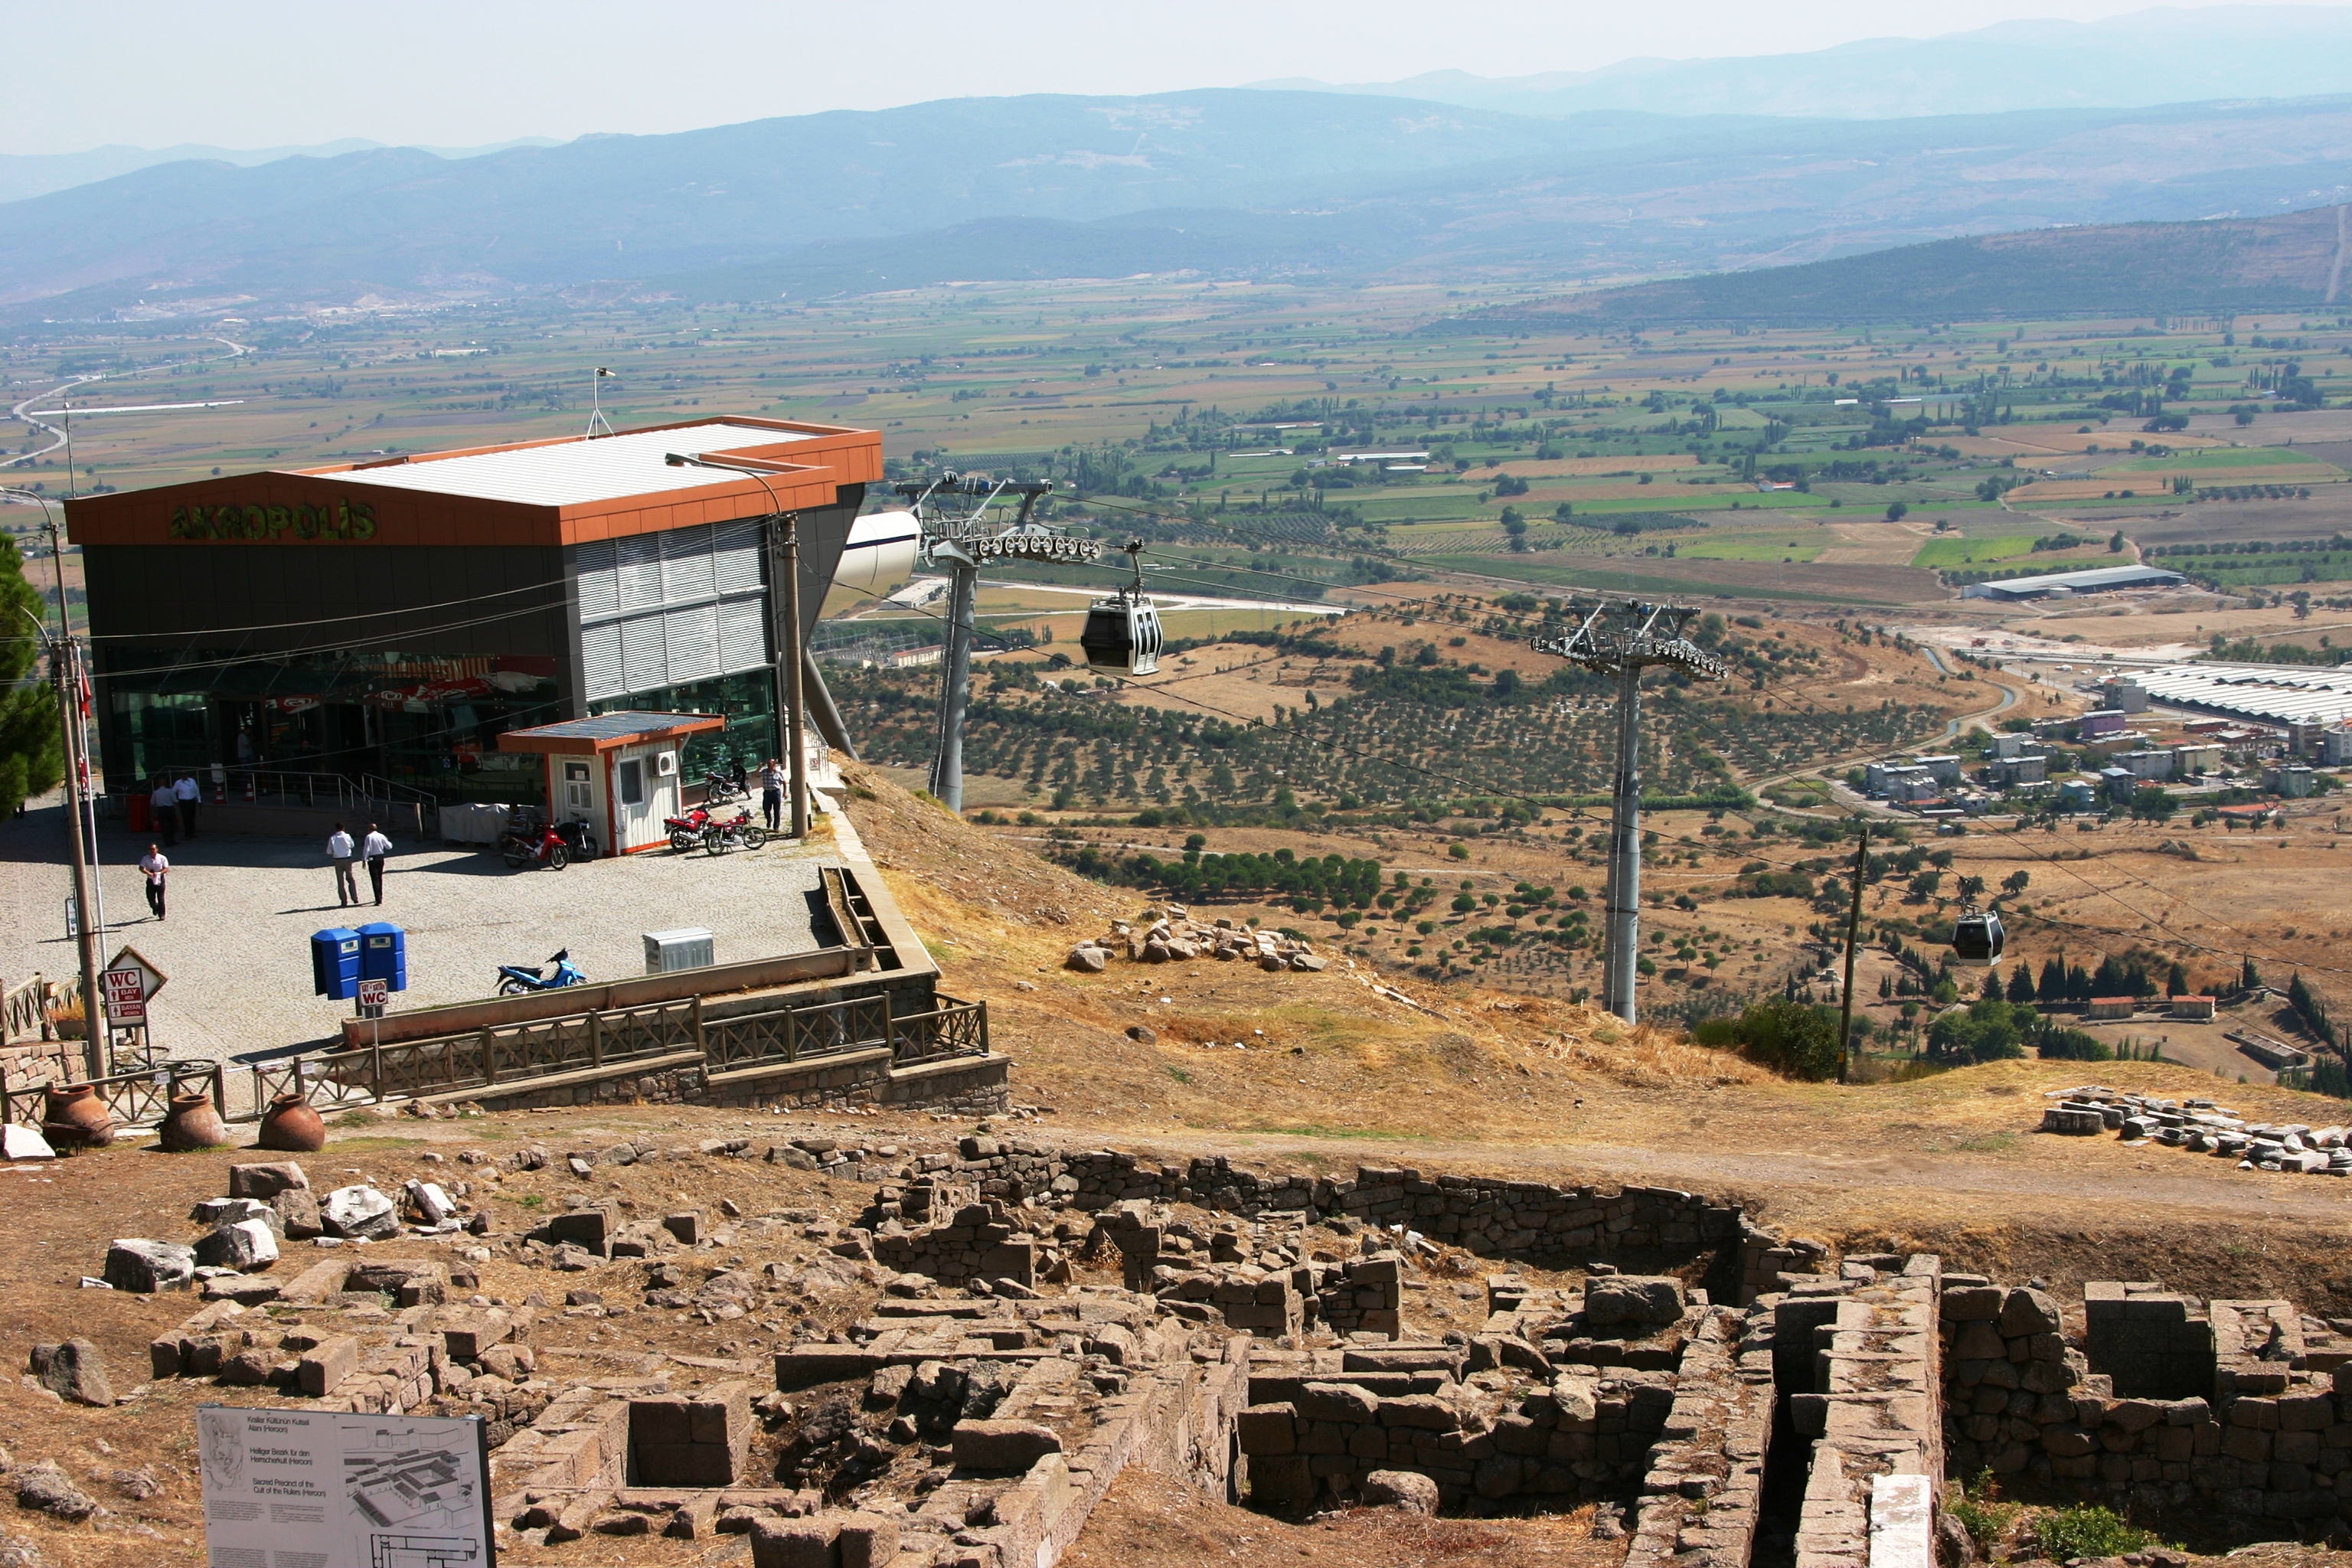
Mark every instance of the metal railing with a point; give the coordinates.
(24, 1009)
(498, 1058)
(138, 1098)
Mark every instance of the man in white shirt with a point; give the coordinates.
(339, 850)
(374, 849)
(186, 793)
(164, 808)
(157, 869)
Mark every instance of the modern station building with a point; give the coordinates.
(389, 620)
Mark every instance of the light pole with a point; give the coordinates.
(785, 536)
(89, 915)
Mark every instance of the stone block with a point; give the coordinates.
(73, 1372)
(1633, 1299)
(1425, 1411)
(266, 1179)
(242, 1244)
(1340, 1402)
(1973, 1303)
(2027, 1312)
(1267, 1430)
(1283, 1481)
(296, 1209)
(467, 1331)
(588, 1228)
(796, 1544)
(358, 1213)
(868, 1541)
(148, 1266)
(1002, 1445)
(324, 1367)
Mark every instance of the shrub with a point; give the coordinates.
(2088, 1531)
(1789, 1038)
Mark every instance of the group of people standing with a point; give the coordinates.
(172, 807)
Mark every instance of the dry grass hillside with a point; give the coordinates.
(1454, 1078)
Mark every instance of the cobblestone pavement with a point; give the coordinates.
(237, 945)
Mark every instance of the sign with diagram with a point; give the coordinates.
(127, 984)
(316, 1489)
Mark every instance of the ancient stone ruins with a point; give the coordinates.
(1025, 1322)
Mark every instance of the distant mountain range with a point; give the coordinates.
(23, 174)
(1227, 183)
(2161, 56)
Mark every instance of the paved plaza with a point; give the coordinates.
(237, 945)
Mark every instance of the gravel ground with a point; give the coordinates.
(237, 945)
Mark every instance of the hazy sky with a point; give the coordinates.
(261, 73)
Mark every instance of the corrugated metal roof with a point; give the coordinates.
(606, 730)
(2095, 577)
(575, 473)
(2278, 693)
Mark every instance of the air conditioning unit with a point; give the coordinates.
(665, 764)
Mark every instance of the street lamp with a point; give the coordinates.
(785, 536)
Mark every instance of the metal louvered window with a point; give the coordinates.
(665, 609)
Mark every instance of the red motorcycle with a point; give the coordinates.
(532, 841)
(740, 831)
(686, 832)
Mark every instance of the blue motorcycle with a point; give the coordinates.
(515, 979)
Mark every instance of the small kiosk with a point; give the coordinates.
(619, 772)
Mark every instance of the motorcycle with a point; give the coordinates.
(686, 832)
(718, 789)
(740, 832)
(517, 979)
(535, 844)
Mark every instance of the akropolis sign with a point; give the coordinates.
(345, 520)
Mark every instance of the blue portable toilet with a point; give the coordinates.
(335, 962)
(383, 954)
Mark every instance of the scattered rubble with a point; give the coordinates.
(2200, 1127)
(1167, 935)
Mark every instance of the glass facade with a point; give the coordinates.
(748, 700)
(424, 721)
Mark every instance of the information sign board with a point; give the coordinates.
(319, 1489)
(126, 995)
(374, 993)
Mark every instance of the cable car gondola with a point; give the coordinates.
(1978, 939)
(1123, 633)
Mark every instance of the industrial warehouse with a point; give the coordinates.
(388, 620)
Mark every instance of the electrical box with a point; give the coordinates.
(689, 948)
(335, 962)
(383, 954)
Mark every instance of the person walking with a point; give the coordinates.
(374, 849)
(163, 810)
(771, 792)
(157, 869)
(185, 794)
(339, 850)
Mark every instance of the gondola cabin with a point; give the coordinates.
(1122, 635)
(1978, 939)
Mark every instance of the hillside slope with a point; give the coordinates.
(2293, 260)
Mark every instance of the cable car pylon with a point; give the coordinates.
(1622, 638)
(959, 534)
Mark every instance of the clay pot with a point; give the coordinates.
(77, 1118)
(191, 1124)
(293, 1126)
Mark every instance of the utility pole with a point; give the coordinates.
(785, 530)
(1624, 637)
(1853, 931)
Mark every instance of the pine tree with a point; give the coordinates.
(2177, 983)
(32, 751)
(2021, 984)
(2249, 977)
(2053, 981)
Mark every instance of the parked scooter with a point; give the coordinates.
(517, 979)
(739, 833)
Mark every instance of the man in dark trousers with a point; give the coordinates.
(186, 793)
(158, 871)
(373, 850)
